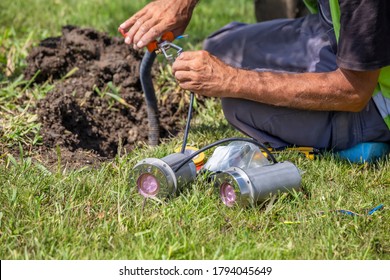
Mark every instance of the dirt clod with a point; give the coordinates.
(97, 104)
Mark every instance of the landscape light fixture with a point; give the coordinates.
(241, 187)
(159, 178)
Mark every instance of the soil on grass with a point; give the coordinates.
(83, 117)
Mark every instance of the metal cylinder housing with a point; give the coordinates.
(162, 170)
(258, 184)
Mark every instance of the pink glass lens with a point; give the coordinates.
(228, 194)
(148, 185)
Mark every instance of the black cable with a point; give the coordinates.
(187, 129)
(219, 142)
(150, 97)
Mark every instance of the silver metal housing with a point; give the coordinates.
(163, 171)
(258, 184)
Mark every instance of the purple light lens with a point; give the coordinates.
(148, 185)
(228, 194)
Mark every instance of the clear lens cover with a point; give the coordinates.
(237, 154)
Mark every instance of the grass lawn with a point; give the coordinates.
(96, 213)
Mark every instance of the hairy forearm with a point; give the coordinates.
(340, 90)
(332, 91)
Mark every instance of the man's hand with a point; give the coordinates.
(155, 19)
(203, 73)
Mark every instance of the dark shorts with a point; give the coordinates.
(291, 45)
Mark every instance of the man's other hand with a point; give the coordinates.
(203, 73)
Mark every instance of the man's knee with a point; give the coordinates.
(225, 44)
(220, 37)
(209, 45)
(213, 46)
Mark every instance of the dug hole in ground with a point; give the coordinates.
(78, 116)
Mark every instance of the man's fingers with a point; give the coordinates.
(135, 28)
(151, 34)
(187, 55)
(130, 22)
(186, 85)
(180, 65)
(191, 85)
(183, 76)
(148, 32)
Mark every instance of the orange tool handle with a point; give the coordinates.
(168, 36)
(124, 34)
(152, 46)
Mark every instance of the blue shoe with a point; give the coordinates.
(365, 152)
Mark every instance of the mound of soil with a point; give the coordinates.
(99, 107)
